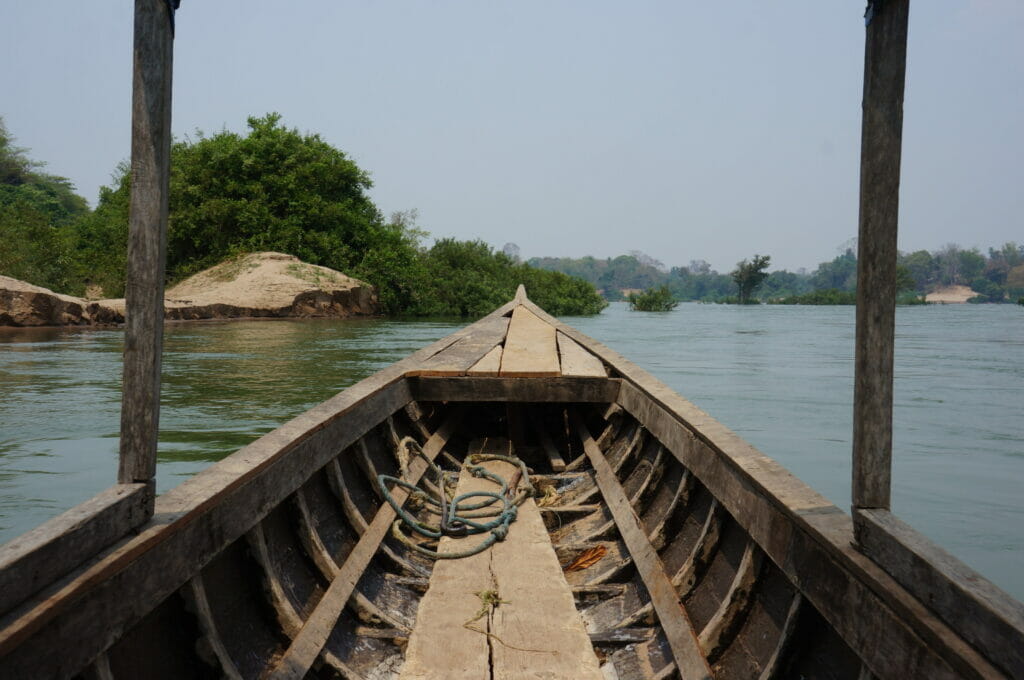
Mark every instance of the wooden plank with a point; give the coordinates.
(885, 62)
(39, 557)
(489, 365)
(305, 647)
(539, 613)
(673, 619)
(576, 361)
(193, 523)
(147, 239)
(535, 631)
(988, 617)
(530, 347)
(462, 354)
(557, 390)
(440, 646)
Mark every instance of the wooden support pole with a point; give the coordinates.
(147, 239)
(885, 59)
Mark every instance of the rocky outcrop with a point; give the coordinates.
(250, 286)
(950, 295)
(22, 304)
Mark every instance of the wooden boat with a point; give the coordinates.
(659, 545)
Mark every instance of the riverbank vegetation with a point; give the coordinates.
(655, 299)
(270, 189)
(995, 276)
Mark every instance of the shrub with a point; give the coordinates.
(655, 299)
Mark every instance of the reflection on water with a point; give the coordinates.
(224, 384)
(782, 377)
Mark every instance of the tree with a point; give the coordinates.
(36, 214)
(749, 275)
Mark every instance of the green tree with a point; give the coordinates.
(748, 276)
(36, 215)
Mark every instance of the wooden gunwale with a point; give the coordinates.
(876, 616)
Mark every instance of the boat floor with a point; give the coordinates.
(506, 612)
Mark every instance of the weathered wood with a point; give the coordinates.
(704, 547)
(885, 60)
(774, 663)
(557, 390)
(196, 595)
(893, 632)
(530, 347)
(147, 240)
(489, 364)
(539, 613)
(536, 614)
(307, 644)
(441, 647)
(461, 355)
(576, 361)
(716, 635)
(988, 617)
(193, 523)
(37, 558)
(549, 448)
(671, 615)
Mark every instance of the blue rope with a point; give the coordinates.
(457, 515)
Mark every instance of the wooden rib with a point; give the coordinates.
(195, 591)
(415, 414)
(775, 661)
(306, 646)
(461, 355)
(550, 450)
(685, 577)
(576, 361)
(716, 635)
(288, 617)
(530, 347)
(99, 669)
(489, 364)
(673, 619)
(654, 521)
(328, 568)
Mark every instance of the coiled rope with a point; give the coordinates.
(458, 515)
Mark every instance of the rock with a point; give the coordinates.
(22, 304)
(249, 286)
(269, 285)
(950, 295)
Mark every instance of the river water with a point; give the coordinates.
(780, 376)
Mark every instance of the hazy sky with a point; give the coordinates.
(687, 130)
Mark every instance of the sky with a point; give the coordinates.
(685, 130)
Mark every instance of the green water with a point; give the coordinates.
(782, 377)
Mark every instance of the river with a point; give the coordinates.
(782, 377)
